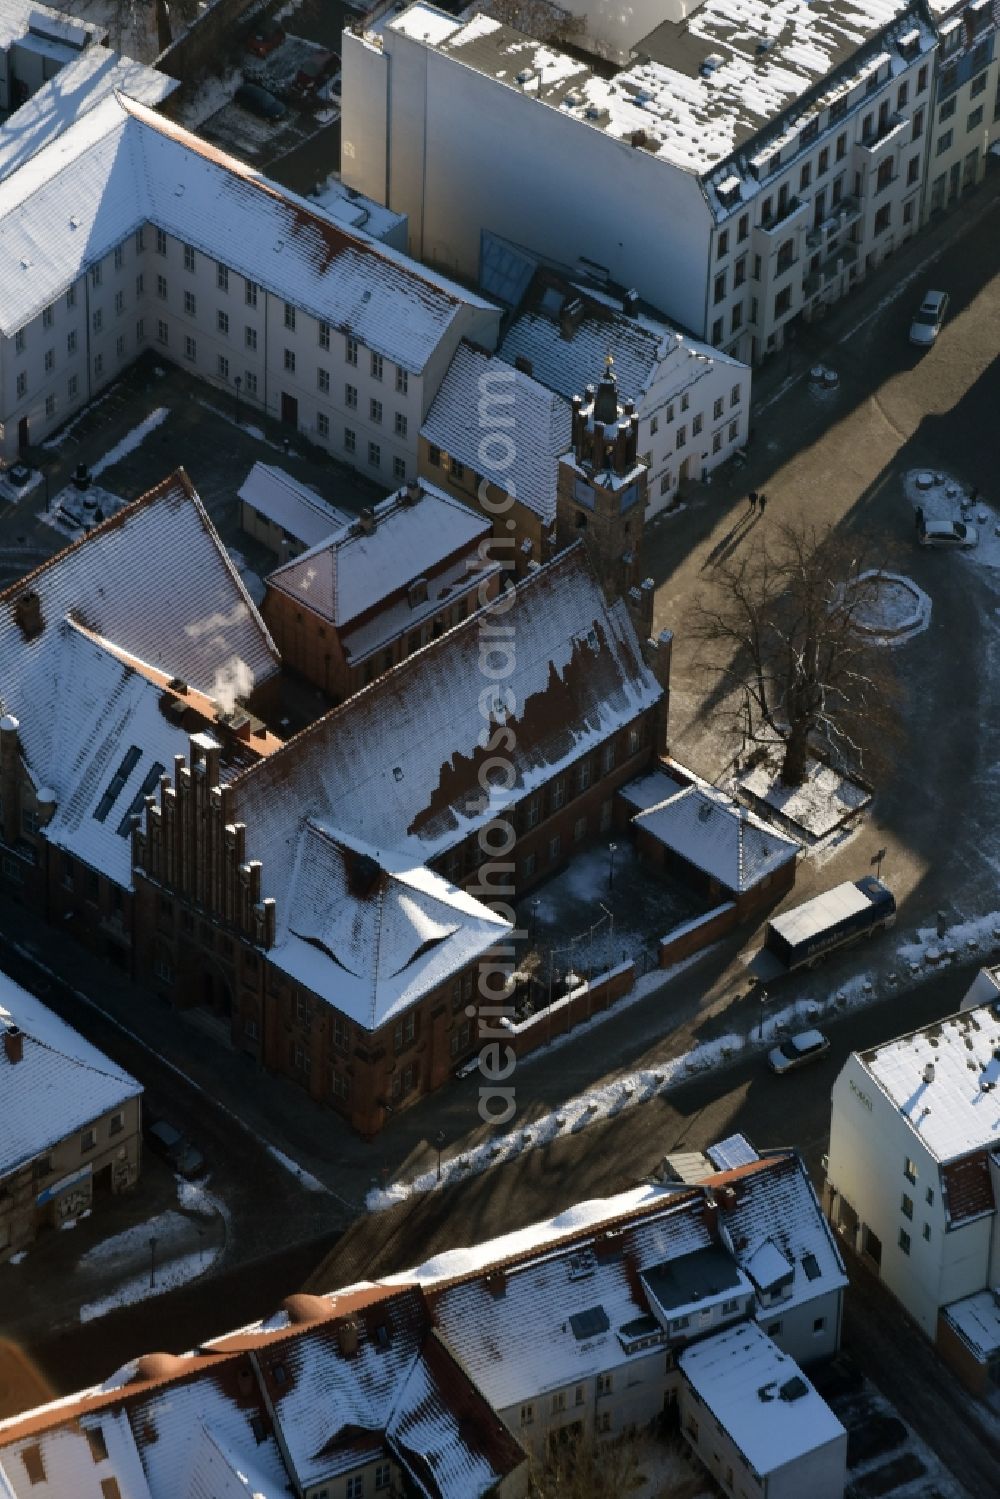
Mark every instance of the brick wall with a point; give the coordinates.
(573, 1010)
(692, 936)
(960, 1357)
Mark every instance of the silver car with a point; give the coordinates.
(927, 324)
(947, 533)
(807, 1046)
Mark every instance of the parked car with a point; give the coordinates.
(263, 43)
(314, 72)
(797, 1050)
(166, 1140)
(926, 324)
(947, 533)
(259, 101)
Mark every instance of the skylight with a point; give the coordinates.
(117, 783)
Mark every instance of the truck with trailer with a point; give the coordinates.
(803, 936)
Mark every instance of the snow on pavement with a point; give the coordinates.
(166, 1278)
(311, 1183)
(130, 441)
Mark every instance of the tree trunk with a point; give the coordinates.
(793, 768)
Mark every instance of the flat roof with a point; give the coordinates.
(694, 1279)
(822, 911)
(958, 1109)
(760, 1397)
(699, 88)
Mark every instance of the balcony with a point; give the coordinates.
(830, 269)
(873, 145)
(838, 219)
(784, 218)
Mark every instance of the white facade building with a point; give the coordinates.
(746, 167)
(965, 114)
(128, 233)
(913, 1179)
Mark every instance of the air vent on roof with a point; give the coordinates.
(712, 61)
(580, 1266)
(765, 45)
(177, 684)
(279, 245)
(589, 1323)
(74, 222)
(704, 811)
(929, 1072)
(25, 263)
(179, 190)
(794, 1388)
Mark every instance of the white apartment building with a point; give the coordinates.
(693, 402)
(913, 1178)
(965, 114)
(747, 165)
(128, 233)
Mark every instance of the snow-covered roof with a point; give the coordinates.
(371, 931)
(154, 578)
(653, 364)
(123, 165)
(767, 1266)
(347, 206)
(70, 1466)
(734, 1150)
(945, 1081)
(538, 422)
(760, 1398)
(77, 87)
(396, 766)
(294, 507)
(19, 18)
(60, 1085)
(350, 573)
(717, 835)
(766, 58)
(976, 1319)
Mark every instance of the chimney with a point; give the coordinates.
(630, 302)
(929, 1072)
(570, 317)
(347, 1337)
(523, 363)
(366, 520)
(496, 1282)
(711, 1214)
(13, 1044)
(410, 495)
(28, 615)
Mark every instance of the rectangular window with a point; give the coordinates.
(947, 110)
(190, 348)
(50, 359)
(975, 119)
(355, 1487)
(161, 242)
(34, 1466)
(906, 1206)
(927, 1233)
(904, 1241)
(73, 387)
(922, 80)
(718, 408)
(50, 405)
(716, 442)
(140, 285)
(48, 317)
(351, 350)
(97, 320)
(98, 365)
(290, 361)
(223, 367)
(22, 384)
(140, 240)
(161, 288)
(823, 161)
(189, 257)
(696, 425)
(383, 1475)
(734, 428)
(323, 381)
(743, 228)
(912, 170)
(375, 410)
(682, 436)
(717, 331)
(376, 366)
(96, 274)
(190, 304)
(250, 337)
(841, 147)
(119, 301)
(918, 124)
(120, 346)
(88, 1140)
(978, 86)
(402, 381)
(805, 176)
(250, 382)
(399, 469)
(882, 219)
(161, 332)
(723, 247)
(783, 301)
(290, 317)
(350, 440)
(222, 323)
(324, 335)
(322, 424)
(250, 292)
(910, 1170)
(351, 397)
(374, 455)
(719, 291)
(221, 276)
(944, 143)
(400, 424)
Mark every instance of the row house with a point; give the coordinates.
(965, 110)
(69, 1122)
(913, 1179)
(456, 1377)
(381, 587)
(335, 897)
(154, 240)
(751, 172)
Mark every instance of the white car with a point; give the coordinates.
(797, 1050)
(926, 324)
(947, 533)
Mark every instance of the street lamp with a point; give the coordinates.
(611, 865)
(439, 1142)
(534, 921)
(763, 1002)
(239, 382)
(152, 1263)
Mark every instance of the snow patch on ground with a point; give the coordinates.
(311, 1183)
(248, 428)
(164, 1227)
(130, 441)
(213, 94)
(819, 806)
(18, 1258)
(167, 1277)
(943, 498)
(73, 510)
(893, 610)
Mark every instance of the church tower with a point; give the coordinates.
(601, 495)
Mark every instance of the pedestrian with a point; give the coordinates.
(920, 517)
(761, 502)
(752, 499)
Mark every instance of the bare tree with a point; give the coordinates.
(138, 28)
(784, 621)
(588, 1470)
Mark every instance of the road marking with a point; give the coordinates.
(286, 1163)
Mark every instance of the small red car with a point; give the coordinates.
(263, 43)
(314, 72)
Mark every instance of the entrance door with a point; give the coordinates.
(22, 434)
(289, 411)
